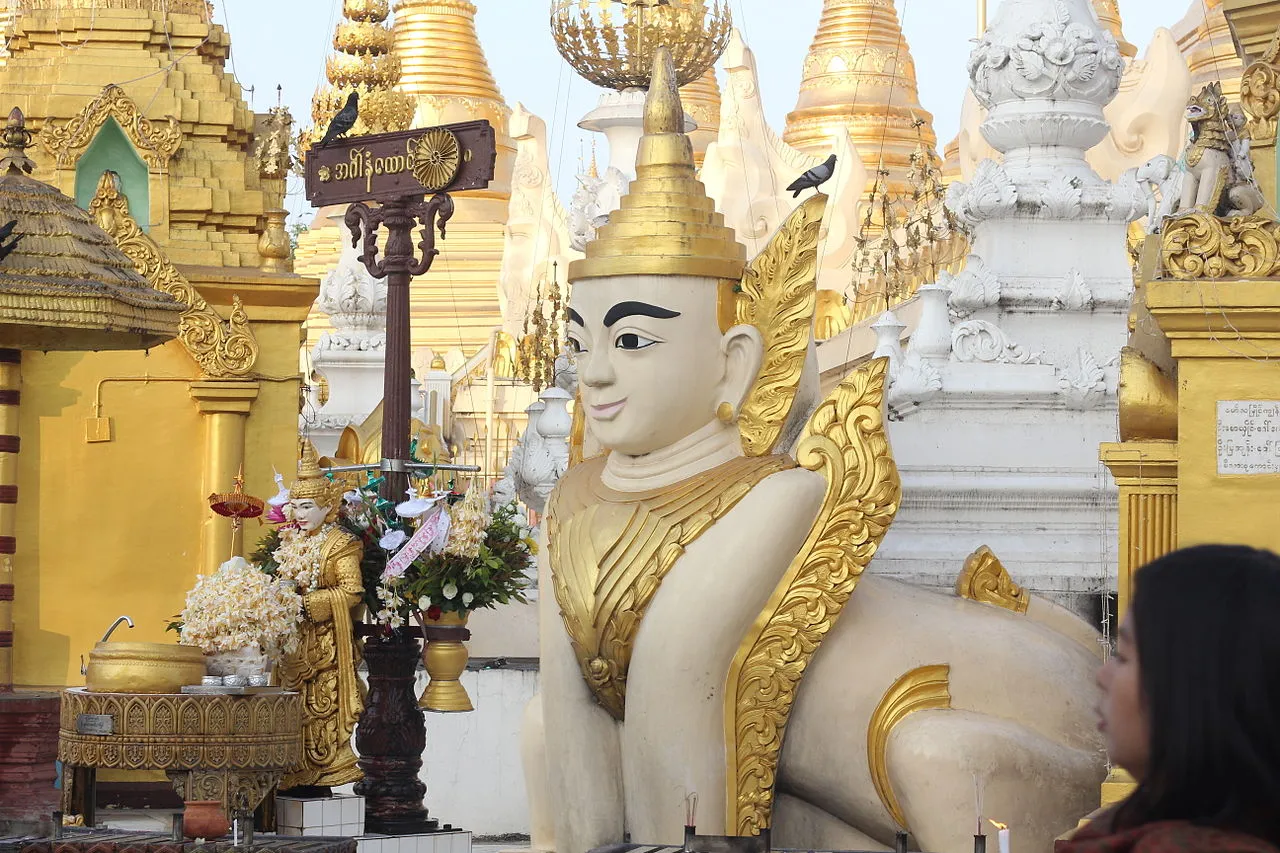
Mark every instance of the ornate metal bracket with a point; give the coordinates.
(400, 218)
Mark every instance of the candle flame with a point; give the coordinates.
(997, 824)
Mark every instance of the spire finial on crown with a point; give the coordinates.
(666, 224)
(663, 112)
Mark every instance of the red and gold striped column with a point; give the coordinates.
(10, 396)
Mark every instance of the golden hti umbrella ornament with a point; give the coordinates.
(64, 285)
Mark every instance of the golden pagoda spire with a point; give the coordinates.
(702, 101)
(444, 70)
(1109, 16)
(440, 52)
(859, 74)
(363, 62)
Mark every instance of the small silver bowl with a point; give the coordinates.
(259, 681)
(235, 680)
(212, 681)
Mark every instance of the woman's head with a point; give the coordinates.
(1192, 698)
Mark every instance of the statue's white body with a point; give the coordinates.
(1021, 692)
(665, 559)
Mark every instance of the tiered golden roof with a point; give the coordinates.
(66, 286)
(1204, 37)
(363, 63)
(612, 46)
(201, 8)
(179, 109)
(859, 75)
(666, 224)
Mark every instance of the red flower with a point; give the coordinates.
(434, 612)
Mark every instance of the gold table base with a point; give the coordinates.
(234, 749)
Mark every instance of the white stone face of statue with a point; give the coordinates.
(653, 366)
(309, 515)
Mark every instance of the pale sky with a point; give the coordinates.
(285, 42)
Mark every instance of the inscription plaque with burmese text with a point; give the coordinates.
(1249, 436)
(443, 159)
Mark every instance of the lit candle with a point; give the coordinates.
(1002, 836)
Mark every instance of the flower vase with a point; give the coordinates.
(248, 661)
(445, 658)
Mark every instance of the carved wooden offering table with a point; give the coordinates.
(230, 748)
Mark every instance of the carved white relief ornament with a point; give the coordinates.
(356, 303)
(981, 341)
(1046, 49)
(990, 195)
(1082, 382)
(974, 288)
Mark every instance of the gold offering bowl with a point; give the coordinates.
(143, 667)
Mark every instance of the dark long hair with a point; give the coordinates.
(1207, 625)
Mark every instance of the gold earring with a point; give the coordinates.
(726, 414)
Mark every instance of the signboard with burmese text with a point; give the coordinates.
(443, 159)
(1249, 436)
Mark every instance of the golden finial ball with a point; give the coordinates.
(611, 42)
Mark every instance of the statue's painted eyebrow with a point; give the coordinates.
(642, 309)
(575, 317)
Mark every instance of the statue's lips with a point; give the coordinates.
(608, 411)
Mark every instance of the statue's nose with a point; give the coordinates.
(597, 371)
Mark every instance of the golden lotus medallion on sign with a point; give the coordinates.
(435, 158)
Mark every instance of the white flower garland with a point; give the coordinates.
(301, 556)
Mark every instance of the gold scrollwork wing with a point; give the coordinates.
(157, 142)
(1260, 94)
(1197, 245)
(222, 348)
(845, 440)
(779, 296)
(927, 688)
(985, 579)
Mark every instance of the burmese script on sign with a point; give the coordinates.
(1249, 436)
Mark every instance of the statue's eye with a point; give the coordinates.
(632, 341)
(576, 346)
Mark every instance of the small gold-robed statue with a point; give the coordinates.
(324, 561)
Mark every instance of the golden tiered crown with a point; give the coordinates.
(312, 484)
(666, 225)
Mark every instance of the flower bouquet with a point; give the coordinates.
(240, 616)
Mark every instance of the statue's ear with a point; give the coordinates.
(743, 348)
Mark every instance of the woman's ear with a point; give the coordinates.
(743, 347)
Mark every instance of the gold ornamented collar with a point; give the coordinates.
(610, 551)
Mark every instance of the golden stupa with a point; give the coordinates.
(1110, 18)
(445, 71)
(442, 71)
(701, 100)
(859, 75)
(1204, 37)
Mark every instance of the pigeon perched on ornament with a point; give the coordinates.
(344, 120)
(814, 178)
